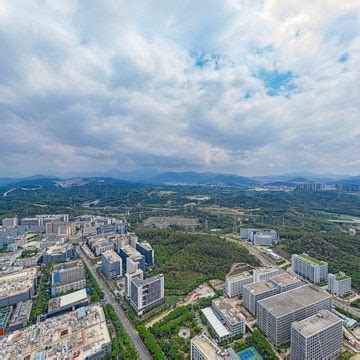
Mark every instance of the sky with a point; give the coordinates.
(252, 87)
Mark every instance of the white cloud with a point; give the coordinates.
(111, 85)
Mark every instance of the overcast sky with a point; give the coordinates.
(240, 86)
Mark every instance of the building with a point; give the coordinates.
(285, 282)
(138, 273)
(227, 312)
(44, 219)
(239, 275)
(146, 293)
(309, 268)
(252, 293)
(276, 313)
(80, 334)
(67, 276)
(145, 249)
(247, 234)
(5, 314)
(60, 228)
(221, 332)
(202, 348)
(317, 337)
(339, 284)
(14, 318)
(111, 264)
(265, 273)
(58, 252)
(264, 237)
(129, 251)
(9, 222)
(68, 302)
(18, 286)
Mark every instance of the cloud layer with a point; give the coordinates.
(242, 86)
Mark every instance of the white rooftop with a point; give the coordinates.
(215, 323)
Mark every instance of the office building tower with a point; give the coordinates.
(111, 264)
(129, 251)
(317, 337)
(128, 277)
(145, 249)
(252, 293)
(309, 268)
(276, 313)
(146, 293)
(339, 284)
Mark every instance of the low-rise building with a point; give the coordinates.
(252, 293)
(309, 268)
(276, 313)
(317, 337)
(111, 264)
(285, 282)
(339, 284)
(146, 293)
(68, 302)
(59, 252)
(80, 334)
(18, 286)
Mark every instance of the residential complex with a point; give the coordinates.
(309, 268)
(276, 313)
(252, 293)
(111, 264)
(339, 284)
(146, 293)
(234, 283)
(80, 334)
(67, 276)
(317, 337)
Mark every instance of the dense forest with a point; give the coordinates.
(187, 259)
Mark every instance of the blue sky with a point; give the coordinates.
(241, 86)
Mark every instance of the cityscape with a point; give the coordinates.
(179, 180)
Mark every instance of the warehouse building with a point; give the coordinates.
(317, 337)
(80, 334)
(18, 286)
(276, 313)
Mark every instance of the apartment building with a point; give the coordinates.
(310, 268)
(339, 284)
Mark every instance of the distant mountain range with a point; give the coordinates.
(180, 178)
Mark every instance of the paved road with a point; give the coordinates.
(252, 250)
(110, 298)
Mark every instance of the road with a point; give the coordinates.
(110, 298)
(346, 306)
(252, 250)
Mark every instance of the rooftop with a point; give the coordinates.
(318, 322)
(239, 269)
(266, 269)
(18, 282)
(311, 259)
(215, 323)
(134, 254)
(285, 279)
(145, 245)
(208, 347)
(229, 310)
(289, 301)
(66, 300)
(341, 276)
(68, 265)
(58, 249)
(71, 335)
(111, 255)
(260, 287)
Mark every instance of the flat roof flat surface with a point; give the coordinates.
(289, 301)
(215, 323)
(260, 287)
(285, 279)
(318, 322)
(111, 255)
(73, 297)
(207, 346)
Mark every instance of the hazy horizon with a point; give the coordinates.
(241, 87)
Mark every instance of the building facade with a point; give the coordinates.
(339, 284)
(317, 337)
(234, 283)
(310, 268)
(111, 264)
(145, 249)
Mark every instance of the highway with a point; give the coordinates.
(110, 298)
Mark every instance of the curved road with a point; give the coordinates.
(110, 298)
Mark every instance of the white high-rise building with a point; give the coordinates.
(339, 284)
(265, 273)
(310, 268)
(202, 348)
(317, 337)
(234, 283)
